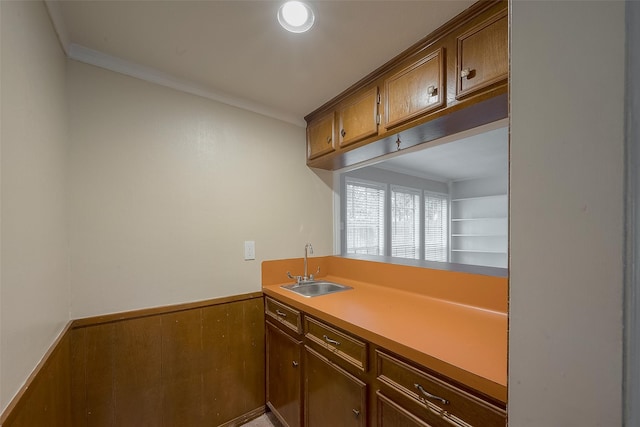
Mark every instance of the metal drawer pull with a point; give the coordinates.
(330, 341)
(431, 396)
(431, 90)
(356, 413)
(280, 313)
(295, 364)
(465, 72)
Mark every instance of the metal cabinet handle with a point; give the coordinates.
(431, 90)
(295, 364)
(330, 341)
(465, 72)
(328, 140)
(343, 132)
(431, 396)
(280, 313)
(356, 413)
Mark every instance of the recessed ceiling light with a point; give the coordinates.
(296, 16)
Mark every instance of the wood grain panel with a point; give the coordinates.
(150, 368)
(233, 351)
(98, 377)
(45, 400)
(138, 372)
(182, 368)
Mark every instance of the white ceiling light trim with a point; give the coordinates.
(296, 16)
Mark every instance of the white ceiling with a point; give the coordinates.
(236, 52)
(479, 155)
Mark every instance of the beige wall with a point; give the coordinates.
(567, 94)
(34, 279)
(166, 187)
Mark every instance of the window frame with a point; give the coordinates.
(343, 212)
(388, 188)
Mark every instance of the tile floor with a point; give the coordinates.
(266, 420)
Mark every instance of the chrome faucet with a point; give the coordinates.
(307, 249)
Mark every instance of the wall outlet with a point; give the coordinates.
(249, 250)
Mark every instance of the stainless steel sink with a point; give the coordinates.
(314, 288)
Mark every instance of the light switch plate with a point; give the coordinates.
(249, 250)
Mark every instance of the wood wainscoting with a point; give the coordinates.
(196, 364)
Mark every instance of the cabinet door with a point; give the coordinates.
(390, 414)
(483, 55)
(284, 376)
(320, 140)
(414, 90)
(358, 117)
(332, 397)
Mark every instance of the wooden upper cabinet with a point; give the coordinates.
(358, 117)
(452, 80)
(483, 55)
(320, 136)
(414, 90)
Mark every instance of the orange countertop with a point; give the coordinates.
(464, 342)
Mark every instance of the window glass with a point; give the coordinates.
(364, 217)
(436, 218)
(405, 222)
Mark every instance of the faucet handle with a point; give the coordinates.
(296, 278)
(312, 276)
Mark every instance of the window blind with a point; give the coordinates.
(365, 218)
(436, 219)
(405, 222)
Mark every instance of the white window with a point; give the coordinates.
(392, 220)
(364, 217)
(436, 219)
(405, 222)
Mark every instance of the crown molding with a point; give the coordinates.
(119, 65)
(55, 14)
(99, 59)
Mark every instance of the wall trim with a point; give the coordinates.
(99, 59)
(146, 312)
(93, 57)
(631, 379)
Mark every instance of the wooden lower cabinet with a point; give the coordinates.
(332, 396)
(390, 414)
(284, 376)
(319, 375)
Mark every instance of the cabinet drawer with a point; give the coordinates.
(287, 316)
(445, 404)
(348, 348)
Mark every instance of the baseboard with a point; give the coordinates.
(251, 415)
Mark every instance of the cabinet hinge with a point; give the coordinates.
(378, 101)
(377, 119)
